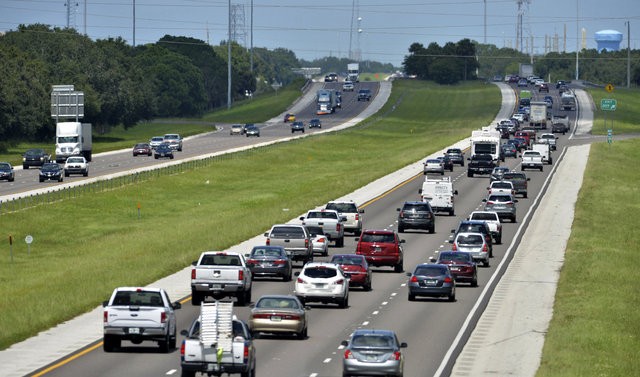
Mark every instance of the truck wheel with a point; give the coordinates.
(541, 168)
(25, 167)
(340, 242)
(196, 298)
(452, 212)
(550, 160)
(411, 297)
(164, 344)
(66, 174)
(244, 298)
(85, 174)
(398, 267)
(485, 263)
(172, 341)
(110, 343)
(469, 173)
(400, 229)
(344, 302)
(188, 373)
(432, 229)
(462, 163)
(499, 240)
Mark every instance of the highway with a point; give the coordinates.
(429, 326)
(216, 141)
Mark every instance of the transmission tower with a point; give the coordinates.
(238, 32)
(71, 13)
(519, 35)
(355, 20)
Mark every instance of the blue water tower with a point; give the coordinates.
(608, 40)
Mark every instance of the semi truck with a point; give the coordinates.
(538, 115)
(73, 139)
(567, 101)
(326, 101)
(353, 72)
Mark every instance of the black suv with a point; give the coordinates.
(416, 215)
(475, 226)
(519, 181)
(35, 157)
(455, 155)
(364, 95)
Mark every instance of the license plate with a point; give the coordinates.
(276, 318)
(455, 268)
(134, 330)
(431, 282)
(216, 286)
(319, 285)
(212, 367)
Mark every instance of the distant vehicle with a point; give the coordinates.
(319, 240)
(431, 280)
(523, 83)
(163, 151)
(339, 99)
(288, 117)
(353, 72)
(446, 162)
(474, 226)
(373, 352)
(326, 101)
(322, 282)
(481, 164)
(462, 266)
(543, 87)
(485, 141)
(73, 139)
(35, 157)
(497, 78)
(348, 86)
(416, 215)
(433, 165)
(142, 149)
(525, 97)
(473, 243)
(297, 126)
(531, 160)
(295, 239)
(364, 95)
(221, 274)
(503, 204)
(139, 314)
(439, 193)
(559, 83)
(330, 221)
(350, 210)
(381, 248)
(497, 172)
(567, 101)
(550, 139)
(237, 129)
(519, 180)
(270, 261)
(6, 172)
(493, 221)
(331, 77)
(278, 315)
(174, 140)
(76, 165)
(356, 268)
(501, 187)
(50, 171)
(315, 123)
(155, 141)
(545, 150)
(538, 116)
(560, 123)
(508, 150)
(251, 130)
(456, 155)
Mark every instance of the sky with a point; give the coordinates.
(378, 30)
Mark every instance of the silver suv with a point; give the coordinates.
(174, 140)
(350, 210)
(503, 204)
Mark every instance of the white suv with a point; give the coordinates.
(322, 282)
(350, 210)
(76, 165)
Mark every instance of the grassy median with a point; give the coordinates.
(85, 247)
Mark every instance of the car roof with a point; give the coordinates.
(373, 332)
(378, 231)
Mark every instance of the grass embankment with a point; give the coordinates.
(85, 247)
(256, 110)
(624, 119)
(595, 330)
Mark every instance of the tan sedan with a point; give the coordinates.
(278, 314)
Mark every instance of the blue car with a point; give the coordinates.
(431, 280)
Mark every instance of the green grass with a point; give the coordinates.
(595, 330)
(101, 243)
(625, 119)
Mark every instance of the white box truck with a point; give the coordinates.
(486, 141)
(353, 72)
(73, 139)
(538, 115)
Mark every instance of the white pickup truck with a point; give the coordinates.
(331, 222)
(295, 239)
(492, 219)
(221, 274)
(217, 343)
(531, 160)
(137, 315)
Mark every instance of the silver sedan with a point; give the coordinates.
(373, 353)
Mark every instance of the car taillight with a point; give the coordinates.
(448, 280)
(193, 273)
(301, 281)
(105, 316)
(397, 355)
(402, 214)
(490, 202)
(306, 243)
(182, 349)
(280, 261)
(246, 353)
(261, 316)
(357, 216)
(163, 317)
(454, 247)
(338, 226)
(241, 275)
(414, 279)
(348, 354)
(339, 282)
(252, 261)
(485, 248)
(322, 239)
(268, 242)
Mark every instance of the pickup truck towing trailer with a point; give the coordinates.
(486, 141)
(480, 164)
(137, 315)
(220, 274)
(217, 343)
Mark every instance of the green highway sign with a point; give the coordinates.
(608, 104)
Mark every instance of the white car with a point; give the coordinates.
(501, 187)
(76, 165)
(348, 86)
(350, 210)
(548, 139)
(474, 244)
(322, 282)
(492, 219)
(433, 165)
(155, 141)
(319, 240)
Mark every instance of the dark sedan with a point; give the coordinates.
(297, 126)
(35, 157)
(163, 151)
(51, 171)
(356, 268)
(508, 150)
(446, 162)
(315, 123)
(431, 280)
(142, 149)
(455, 155)
(251, 130)
(270, 261)
(462, 266)
(6, 172)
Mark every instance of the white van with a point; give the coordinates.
(439, 193)
(545, 151)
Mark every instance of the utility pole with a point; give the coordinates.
(628, 54)
(134, 23)
(229, 61)
(577, 39)
(251, 38)
(485, 21)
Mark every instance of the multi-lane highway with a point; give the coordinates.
(428, 326)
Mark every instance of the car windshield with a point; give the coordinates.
(321, 215)
(379, 238)
(484, 216)
(267, 252)
(454, 257)
(138, 297)
(347, 259)
(75, 159)
(287, 231)
(434, 161)
(471, 227)
(34, 152)
(512, 177)
(470, 239)
(342, 207)
(50, 167)
(220, 260)
(499, 198)
(416, 207)
(141, 145)
(430, 271)
(321, 272)
(5, 166)
(506, 185)
(315, 230)
(372, 341)
(277, 303)
(157, 138)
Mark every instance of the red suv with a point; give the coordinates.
(381, 248)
